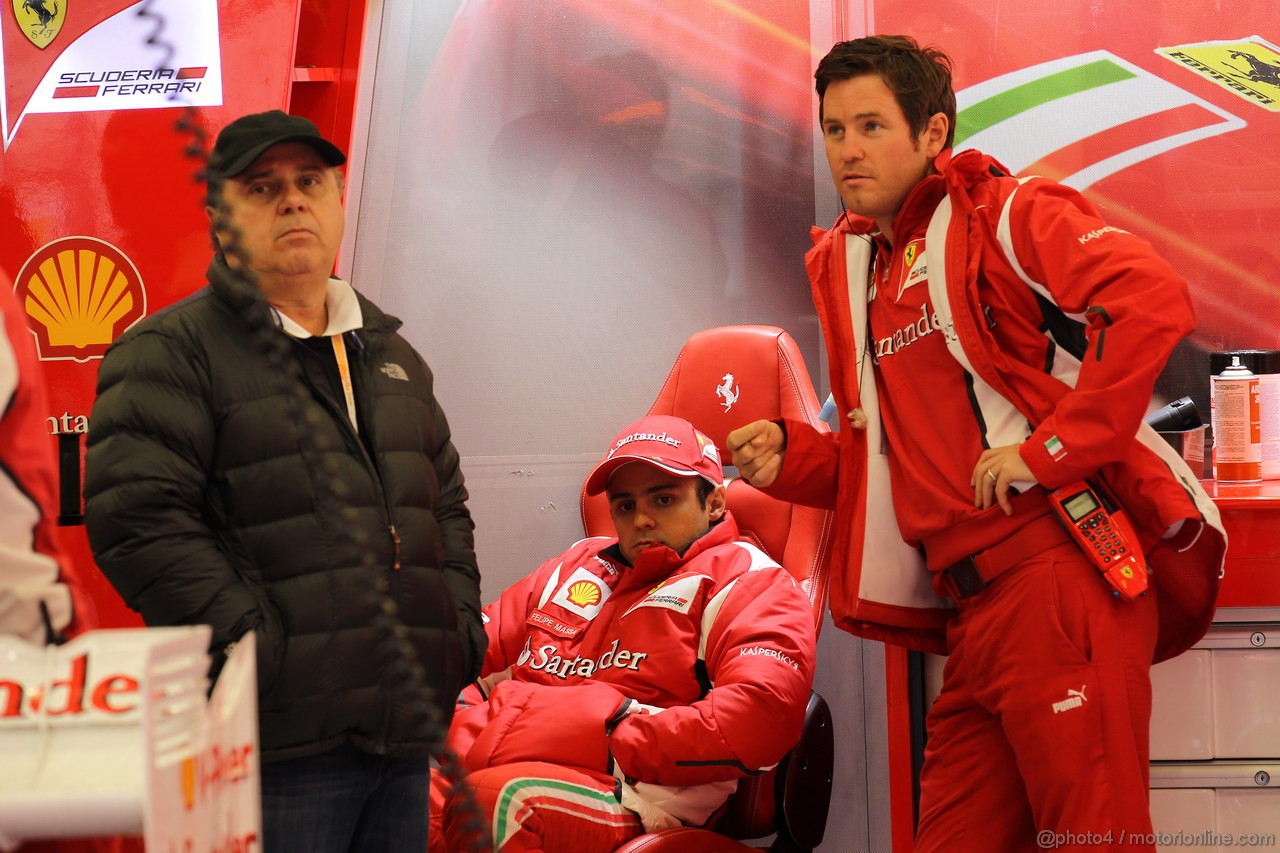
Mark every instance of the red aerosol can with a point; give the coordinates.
(1237, 432)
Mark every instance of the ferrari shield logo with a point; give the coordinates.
(40, 20)
(1249, 68)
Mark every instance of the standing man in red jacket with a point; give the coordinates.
(631, 681)
(992, 340)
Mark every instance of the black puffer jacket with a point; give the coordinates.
(202, 507)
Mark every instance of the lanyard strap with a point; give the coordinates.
(344, 373)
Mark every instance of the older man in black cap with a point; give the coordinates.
(221, 491)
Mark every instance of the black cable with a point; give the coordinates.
(427, 723)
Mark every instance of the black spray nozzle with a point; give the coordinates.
(1178, 416)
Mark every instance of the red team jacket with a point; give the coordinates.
(678, 675)
(31, 563)
(1002, 239)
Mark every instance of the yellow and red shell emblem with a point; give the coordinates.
(79, 293)
(584, 594)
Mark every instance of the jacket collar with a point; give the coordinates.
(661, 562)
(956, 173)
(229, 287)
(343, 310)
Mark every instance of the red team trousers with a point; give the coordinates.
(535, 806)
(1039, 738)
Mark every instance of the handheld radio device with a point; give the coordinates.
(1106, 536)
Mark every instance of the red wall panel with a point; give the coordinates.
(114, 173)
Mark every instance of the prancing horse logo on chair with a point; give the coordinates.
(728, 392)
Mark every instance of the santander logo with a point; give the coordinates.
(78, 693)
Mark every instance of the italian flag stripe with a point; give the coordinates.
(1022, 97)
(1085, 117)
(519, 796)
(1120, 142)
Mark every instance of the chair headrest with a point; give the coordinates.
(725, 378)
(732, 375)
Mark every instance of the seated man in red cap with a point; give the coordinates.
(631, 681)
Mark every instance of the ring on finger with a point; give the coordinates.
(991, 475)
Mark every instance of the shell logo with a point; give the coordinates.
(79, 293)
(584, 594)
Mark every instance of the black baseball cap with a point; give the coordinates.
(244, 140)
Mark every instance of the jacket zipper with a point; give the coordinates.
(371, 464)
(361, 383)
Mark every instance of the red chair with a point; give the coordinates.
(722, 379)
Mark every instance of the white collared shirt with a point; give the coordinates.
(342, 306)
